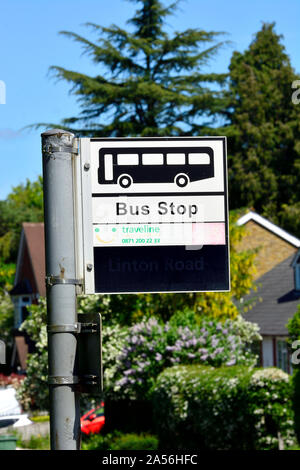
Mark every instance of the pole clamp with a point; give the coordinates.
(53, 280)
(63, 380)
(59, 148)
(78, 327)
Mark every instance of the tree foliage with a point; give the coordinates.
(293, 327)
(264, 131)
(23, 204)
(33, 392)
(150, 82)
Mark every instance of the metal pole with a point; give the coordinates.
(57, 150)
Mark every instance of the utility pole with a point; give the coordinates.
(58, 154)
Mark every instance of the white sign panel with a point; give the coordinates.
(154, 192)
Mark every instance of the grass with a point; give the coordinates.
(39, 418)
(120, 441)
(114, 441)
(37, 442)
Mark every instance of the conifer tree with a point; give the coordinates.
(149, 82)
(264, 131)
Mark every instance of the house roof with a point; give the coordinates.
(269, 226)
(279, 299)
(32, 243)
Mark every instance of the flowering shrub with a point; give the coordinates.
(113, 342)
(150, 346)
(238, 408)
(13, 379)
(270, 400)
(33, 392)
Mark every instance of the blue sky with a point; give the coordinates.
(30, 44)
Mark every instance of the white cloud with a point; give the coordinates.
(9, 134)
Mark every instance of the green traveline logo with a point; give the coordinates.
(141, 229)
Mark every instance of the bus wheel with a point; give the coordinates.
(125, 181)
(181, 180)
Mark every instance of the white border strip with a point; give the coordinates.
(269, 226)
(87, 223)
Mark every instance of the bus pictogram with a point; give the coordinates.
(180, 166)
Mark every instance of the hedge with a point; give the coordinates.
(296, 401)
(120, 441)
(227, 408)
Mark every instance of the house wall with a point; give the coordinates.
(272, 248)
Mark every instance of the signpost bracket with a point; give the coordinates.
(88, 378)
(53, 280)
(63, 380)
(50, 148)
(64, 328)
(78, 328)
(90, 354)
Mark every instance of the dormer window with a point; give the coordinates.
(297, 272)
(21, 302)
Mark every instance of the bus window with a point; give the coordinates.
(128, 159)
(175, 159)
(153, 159)
(108, 166)
(199, 159)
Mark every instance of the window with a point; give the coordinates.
(128, 159)
(153, 159)
(282, 355)
(175, 159)
(21, 312)
(199, 159)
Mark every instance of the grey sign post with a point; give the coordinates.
(57, 147)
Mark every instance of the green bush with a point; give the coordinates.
(293, 327)
(98, 441)
(35, 443)
(237, 408)
(135, 442)
(296, 401)
(40, 418)
(119, 441)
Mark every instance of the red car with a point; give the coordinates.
(93, 421)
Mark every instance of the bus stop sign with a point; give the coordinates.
(153, 215)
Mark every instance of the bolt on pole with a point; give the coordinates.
(58, 154)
